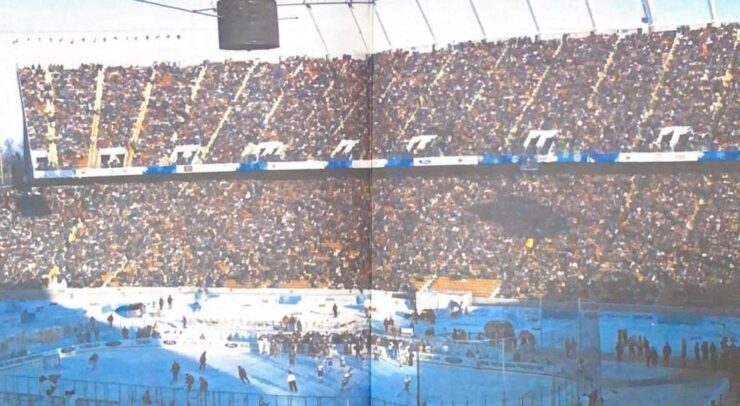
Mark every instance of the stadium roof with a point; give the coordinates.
(115, 31)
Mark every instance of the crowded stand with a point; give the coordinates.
(122, 95)
(636, 238)
(37, 96)
(562, 101)
(728, 114)
(246, 122)
(625, 90)
(212, 233)
(695, 85)
(616, 237)
(169, 104)
(400, 80)
(74, 108)
(218, 89)
(601, 92)
(488, 100)
(324, 103)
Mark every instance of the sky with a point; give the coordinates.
(27, 26)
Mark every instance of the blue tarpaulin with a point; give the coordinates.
(291, 300)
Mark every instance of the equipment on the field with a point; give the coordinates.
(131, 310)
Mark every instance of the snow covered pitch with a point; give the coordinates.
(226, 324)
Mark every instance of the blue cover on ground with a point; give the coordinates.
(291, 300)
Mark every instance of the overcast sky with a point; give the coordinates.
(27, 25)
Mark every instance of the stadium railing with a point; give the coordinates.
(721, 394)
(561, 392)
(395, 163)
(122, 394)
(706, 310)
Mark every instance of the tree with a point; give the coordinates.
(2, 162)
(7, 151)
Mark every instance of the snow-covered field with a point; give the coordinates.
(151, 366)
(219, 314)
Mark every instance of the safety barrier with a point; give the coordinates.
(94, 393)
(8, 398)
(720, 394)
(20, 361)
(580, 158)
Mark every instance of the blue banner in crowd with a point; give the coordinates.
(160, 170)
(402, 162)
(720, 156)
(343, 164)
(252, 166)
(498, 159)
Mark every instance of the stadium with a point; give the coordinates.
(408, 202)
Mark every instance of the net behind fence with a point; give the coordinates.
(551, 354)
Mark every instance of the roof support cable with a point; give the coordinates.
(477, 18)
(426, 21)
(316, 25)
(359, 28)
(590, 15)
(382, 27)
(534, 18)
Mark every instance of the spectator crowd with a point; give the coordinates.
(610, 237)
(622, 238)
(602, 92)
(687, 353)
(210, 233)
(625, 238)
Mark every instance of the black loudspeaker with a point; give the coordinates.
(248, 24)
